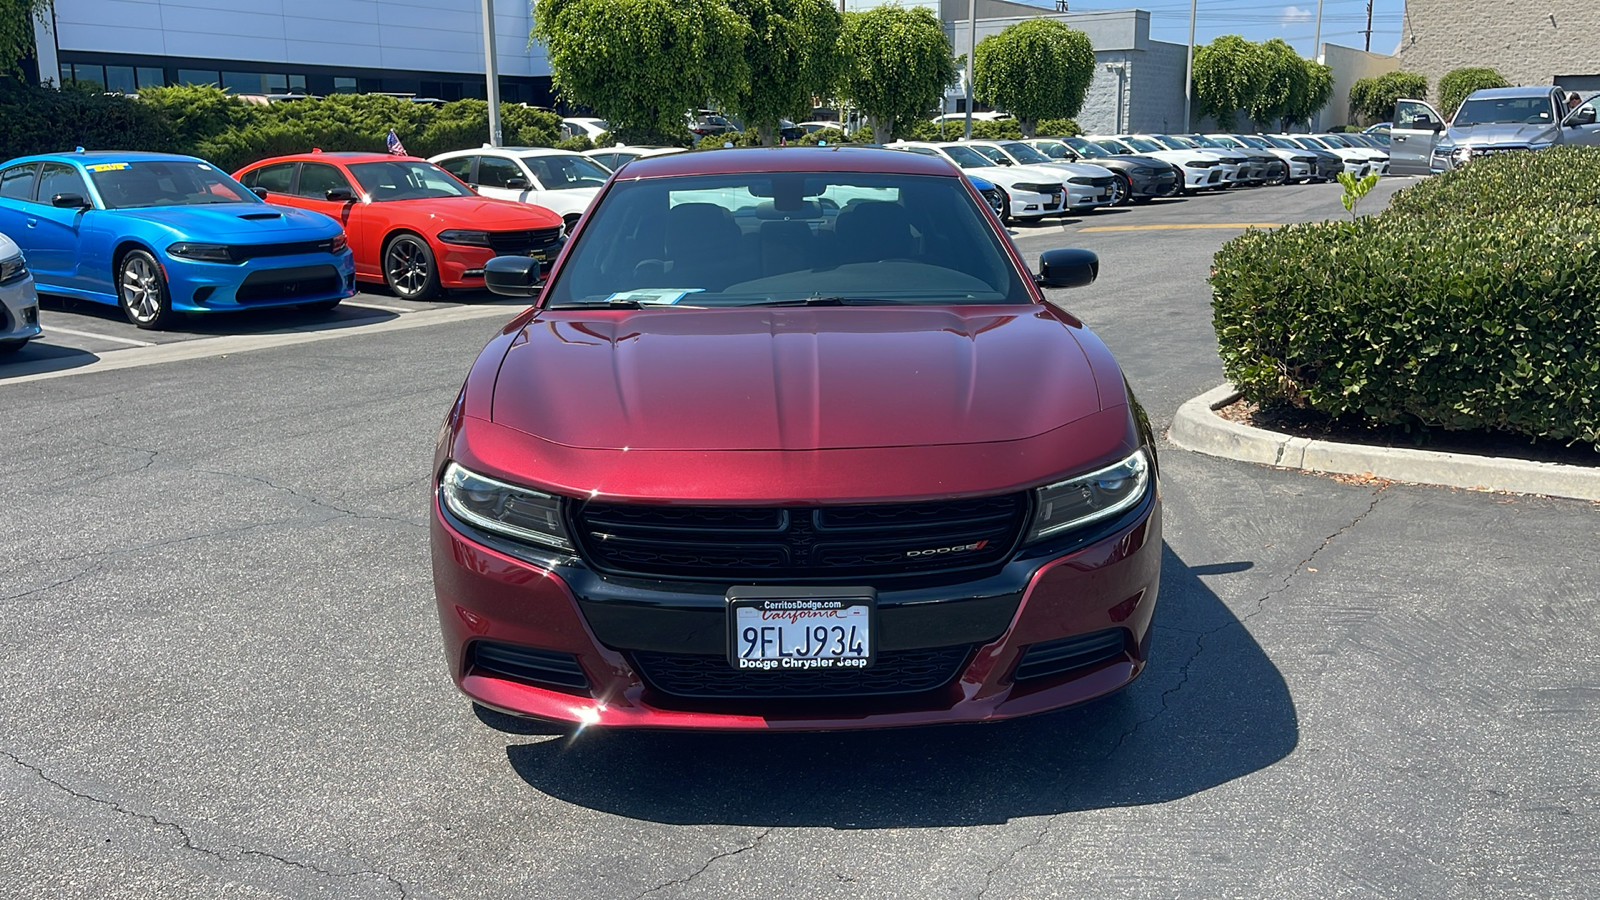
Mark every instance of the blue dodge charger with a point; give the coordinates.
(159, 234)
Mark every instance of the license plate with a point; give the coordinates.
(801, 629)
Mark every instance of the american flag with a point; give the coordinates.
(395, 147)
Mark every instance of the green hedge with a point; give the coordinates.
(1458, 84)
(1486, 318)
(1561, 178)
(42, 120)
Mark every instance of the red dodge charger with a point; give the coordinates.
(791, 440)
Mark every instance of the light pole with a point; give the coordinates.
(1316, 42)
(972, 49)
(491, 73)
(1188, 69)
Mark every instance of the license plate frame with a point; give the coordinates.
(860, 604)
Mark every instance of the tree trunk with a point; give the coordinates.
(882, 129)
(1028, 127)
(769, 135)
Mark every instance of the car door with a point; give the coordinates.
(1580, 127)
(324, 188)
(16, 190)
(503, 179)
(1416, 132)
(55, 233)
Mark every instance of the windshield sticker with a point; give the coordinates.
(108, 167)
(653, 296)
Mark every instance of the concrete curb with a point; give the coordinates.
(1197, 427)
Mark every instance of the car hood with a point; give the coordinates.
(1011, 175)
(793, 378)
(1082, 170)
(1509, 133)
(253, 222)
(480, 213)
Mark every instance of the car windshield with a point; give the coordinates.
(1024, 154)
(1313, 142)
(1088, 148)
(1224, 141)
(1249, 140)
(1334, 140)
(1144, 146)
(560, 173)
(177, 182)
(1285, 143)
(1203, 141)
(966, 157)
(1504, 111)
(1054, 149)
(793, 238)
(406, 179)
(993, 155)
(1175, 142)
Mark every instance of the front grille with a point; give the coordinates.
(1054, 658)
(285, 284)
(1495, 151)
(548, 668)
(522, 243)
(1103, 181)
(893, 672)
(799, 544)
(242, 252)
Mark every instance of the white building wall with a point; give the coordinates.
(1349, 65)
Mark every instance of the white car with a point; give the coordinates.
(1201, 171)
(1233, 164)
(1088, 186)
(976, 117)
(561, 181)
(19, 304)
(583, 127)
(1356, 162)
(614, 158)
(1377, 159)
(1031, 193)
(1302, 166)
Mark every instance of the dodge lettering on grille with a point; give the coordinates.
(959, 548)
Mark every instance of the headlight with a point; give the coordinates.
(202, 252)
(464, 236)
(1086, 498)
(338, 243)
(13, 269)
(505, 509)
(1038, 188)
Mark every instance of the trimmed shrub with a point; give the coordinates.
(44, 120)
(1457, 84)
(1374, 98)
(1558, 179)
(747, 138)
(1461, 322)
(831, 135)
(1058, 128)
(577, 143)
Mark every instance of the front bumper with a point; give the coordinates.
(19, 310)
(1029, 205)
(259, 283)
(1087, 196)
(1158, 184)
(1102, 589)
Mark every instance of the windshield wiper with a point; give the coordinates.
(612, 303)
(823, 301)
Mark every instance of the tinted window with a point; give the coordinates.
(317, 179)
(753, 239)
(460, 167)
(497, 173)
(406, 180)
(177, 182)
(1024, 154)
(16, 182)
(60, 178)
(559, 173)
(275, 178)
(609, 160)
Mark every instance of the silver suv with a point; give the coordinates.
(1496, 120)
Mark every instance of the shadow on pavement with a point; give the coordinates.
(37, 356)
(1210, 708)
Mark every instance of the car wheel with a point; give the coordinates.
(408, 268)
(1121, 189)
(11, 346)
(142, 291)
(322, 305)
(1005, 206)
(1277, 177)
(571, 221)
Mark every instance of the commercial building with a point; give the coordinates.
(1543, 42)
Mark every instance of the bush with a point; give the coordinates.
(577, 143)
(747, 138)
(1374, 98)
(1561, 179)
(1457, 84)
(831, 135)
(1058, 128)
(44, 120)
(1477, 320)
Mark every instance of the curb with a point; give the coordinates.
(1197, 427)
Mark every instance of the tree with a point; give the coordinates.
(1229, 75)
(793, 56)
(897, 65)
(1035, 69)
(640, 64)
(1373, 98)
(17, 18)
(1458, 84)
(1318, 91)
(1283, 84)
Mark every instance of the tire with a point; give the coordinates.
(409, 267)
(322, 305)
(142, 291)
(1121, 189)
(570, 220)
(1005, 202)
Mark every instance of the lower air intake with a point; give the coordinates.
(546, 668)
(1083, 651)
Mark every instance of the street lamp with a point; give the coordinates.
(491, 73)
(1188, 69)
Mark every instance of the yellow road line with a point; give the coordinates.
(1176, 227)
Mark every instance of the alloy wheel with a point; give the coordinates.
(143, 289)
(408, 266)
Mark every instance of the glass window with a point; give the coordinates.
(59, 178)
(151, 77)
(460, 167)
(497, 173)
(406, 180)
(243, 82)
(1505, 111)
(317, 179)
(297, 84)
(784, 238)
(275, 178)
(137, 185)
(993, 154)
(275, 84)
(197, 76)
(16, 183)
(66, 74)
(120, 78)
(89, 76)
(342, 85)
(1024, 154)
(560, 173)
(967, 157)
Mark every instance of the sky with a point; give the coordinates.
(1258, 20)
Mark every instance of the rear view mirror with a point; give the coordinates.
(340, 195)
(1068, 267)
(69, 201)
(512, 276)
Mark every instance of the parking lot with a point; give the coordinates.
(222, 673)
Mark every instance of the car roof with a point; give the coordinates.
(745, 160)
(103, 155)
(344, 156)
(1506, 93)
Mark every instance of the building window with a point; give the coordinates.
(89, 76)
(198, 76)
(66, 74)
(120, 78)
(297, 84)
(342, 85)
(151, 77)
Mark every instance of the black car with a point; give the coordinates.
(1144, 177)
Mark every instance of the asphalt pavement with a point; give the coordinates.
(222, 675)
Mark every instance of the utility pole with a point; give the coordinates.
(972, 50)
(491, 73)
(1316, 42)
(1368, 32)
(1188, 70)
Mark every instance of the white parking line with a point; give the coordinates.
(57, 329)
(393, 309)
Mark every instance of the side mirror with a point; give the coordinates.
(518, 184)
(1584, 116)
(1068, 267)
(340, 195)
(260, 192)
(512, 276)
(69, 201)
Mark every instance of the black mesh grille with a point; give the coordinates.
(310, 282)
(242, 252)
(739, 544)
(548, 668)
(521, 243)
(896, 672)
(1065, 655)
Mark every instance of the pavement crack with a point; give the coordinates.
(1305, 563)
(315, 501)
(187, 842)
(1036, 840)
(679, 882)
